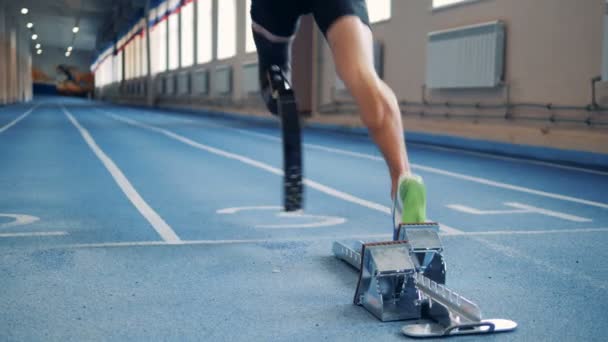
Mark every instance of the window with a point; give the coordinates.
(128, 61)
(144, 53)
(158, 41)
(174, 41)
(447, 3)
(226, 29)
(249, 42)
(187, 32)
(204, 32)
(137, 69)
(117, 67)
(379, 10)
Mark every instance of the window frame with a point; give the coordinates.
(454, 5)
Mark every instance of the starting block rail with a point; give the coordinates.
(405, 280)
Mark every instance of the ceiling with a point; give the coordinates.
(98, 20)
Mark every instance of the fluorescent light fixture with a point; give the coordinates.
(38, 46)
(34, 36)
(29, 25)
(24, 11)
(39, 51)
(69, 49)
(75, 29)
(67, 54)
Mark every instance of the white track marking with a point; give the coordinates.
(379, 237)
(511, 187)
(532, 232)
(246, 160)
(468, 210)
(228, 211)
(19, 220)
(322, 221)
(21, 117)
(443, 172)
(511, 159)
(520, 209)
(551, 213)
(157, 222)
(32, 234)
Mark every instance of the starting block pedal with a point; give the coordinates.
(405, 280)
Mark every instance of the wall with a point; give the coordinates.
(15, 57)
(554, 49)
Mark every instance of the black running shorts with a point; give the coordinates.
(280, 17)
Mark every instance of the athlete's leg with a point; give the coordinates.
(345, 24)
(351, 44)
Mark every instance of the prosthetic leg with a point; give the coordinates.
(280, 92)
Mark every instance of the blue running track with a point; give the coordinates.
(122, 223)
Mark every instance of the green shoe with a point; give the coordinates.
(409, 205)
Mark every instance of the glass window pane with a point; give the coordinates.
(204, 32)
(137, 56)
(226, 29)
(187, 35)
(379, 10)
(162, 46)
(144, 54)
(118, 67)
(249, 42)
(173, 41)
(443, 3)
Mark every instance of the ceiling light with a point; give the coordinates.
(75, 29)
(29, 25)
(39, 51)
(69, 49)
(67, 54)
(38, 46)
(34, 36)
(24, 11)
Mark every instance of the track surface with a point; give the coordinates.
(120, 223)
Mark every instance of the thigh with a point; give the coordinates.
(327, 12)
(277, 17)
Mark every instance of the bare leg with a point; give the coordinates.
(351, 44)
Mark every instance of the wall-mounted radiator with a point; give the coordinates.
(466, 57)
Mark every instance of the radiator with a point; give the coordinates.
(251, 83)
(223, 80)
(466, 57)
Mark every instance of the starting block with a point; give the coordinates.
(405, 280)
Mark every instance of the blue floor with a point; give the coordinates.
(119, 223)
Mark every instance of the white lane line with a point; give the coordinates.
(322, 221)
(551, 213)
(33, 234)
(21, 117)
(439, 171)
(246, 160)
(157, 222)
(368, 237)
(473, 211)
(533, 232)
(512, 187)
(511, 159)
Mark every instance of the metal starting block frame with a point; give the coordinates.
(404, 280)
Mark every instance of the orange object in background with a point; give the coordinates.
(70, 81)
